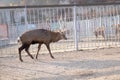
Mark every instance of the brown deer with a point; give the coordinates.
(100, 31)
(39, 36)
(117, 29)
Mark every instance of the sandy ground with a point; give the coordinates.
(101, 64)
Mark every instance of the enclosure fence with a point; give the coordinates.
(86, 27)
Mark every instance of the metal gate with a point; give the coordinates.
(86, 27)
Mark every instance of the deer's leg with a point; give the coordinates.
(48, 47)
(27, 50)
(20, 49)
(103, 34)
(38, 50)
(96, 34)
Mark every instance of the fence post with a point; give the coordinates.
(75, 27)
(25, 15)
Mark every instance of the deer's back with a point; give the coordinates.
(38, 35)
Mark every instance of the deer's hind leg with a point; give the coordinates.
(27, 50)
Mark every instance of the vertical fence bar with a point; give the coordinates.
(75, 27)
(25, 16)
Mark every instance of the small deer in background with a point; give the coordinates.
(117, 29)
(100, 31)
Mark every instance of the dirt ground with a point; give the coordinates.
(101, 64)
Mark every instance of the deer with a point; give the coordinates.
(100, 31)
(39, 36)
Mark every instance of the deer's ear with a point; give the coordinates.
(63, 32)
(58, 30)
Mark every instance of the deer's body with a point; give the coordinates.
(39, 36)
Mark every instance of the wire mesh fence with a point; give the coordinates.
(86, 27)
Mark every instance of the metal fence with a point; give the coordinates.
(86, 27)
